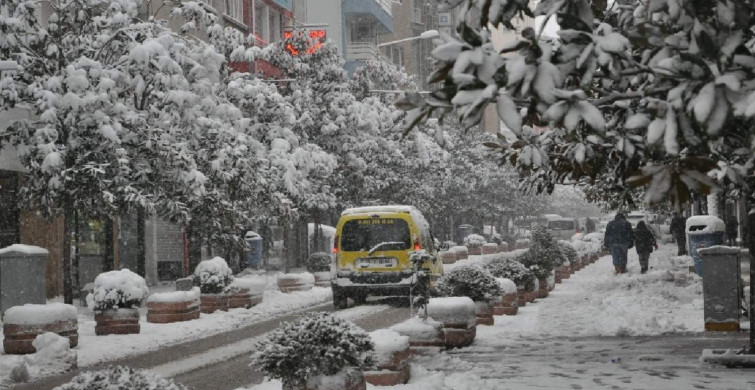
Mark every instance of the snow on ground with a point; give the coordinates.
(94, 349)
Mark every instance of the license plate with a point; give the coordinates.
(377, 262)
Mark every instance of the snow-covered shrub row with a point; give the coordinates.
(212, 276)
(318, 262)
(510, 269)
(469, 281)
(119, 377)
(315, 344)
(117, 289)
(507, 285)
(474, 241)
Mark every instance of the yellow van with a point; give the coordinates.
(372, 248)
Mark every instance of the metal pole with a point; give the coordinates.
(751, 246)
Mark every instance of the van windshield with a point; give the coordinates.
(561, 225)
(365, 234)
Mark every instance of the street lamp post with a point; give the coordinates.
(429, 34)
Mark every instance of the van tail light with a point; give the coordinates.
(335, 244)
(417, 246)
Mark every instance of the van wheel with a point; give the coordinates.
(340, 301)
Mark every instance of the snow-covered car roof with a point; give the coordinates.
(380, 209)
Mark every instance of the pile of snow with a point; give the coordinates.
(507, 285)
(387, 342)
(54, 350)
(34, 314)
(710, 223)
(594, 237)
(117, 289)
(24, 249)
(419, 329)
(452, 310)
(304, 278)
(577, 237)
(322, 275)
(254, 285)
(176, 296)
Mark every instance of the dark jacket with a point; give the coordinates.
(678, 226)
(619, 232)
(643, 239)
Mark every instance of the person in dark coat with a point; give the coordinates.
(678, 229)
(644, 242)
(589, 225)
(731, 230)
(618, 239)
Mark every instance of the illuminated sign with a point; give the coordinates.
(316, 38)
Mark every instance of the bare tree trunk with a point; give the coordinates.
(141, 245)
(67, 275)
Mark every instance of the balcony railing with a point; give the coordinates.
(361, 51)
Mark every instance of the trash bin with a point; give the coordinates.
(22, 276)
(253, 249)
(703, 231)
(721, 287)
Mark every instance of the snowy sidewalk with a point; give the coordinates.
(650, 325)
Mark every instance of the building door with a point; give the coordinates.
(9, 226)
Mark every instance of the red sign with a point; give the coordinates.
(316, 38)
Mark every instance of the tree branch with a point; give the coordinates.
(630, 95)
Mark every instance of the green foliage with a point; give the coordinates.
(544, 253)
(315, 344)
(569, 252)
(510, 269)
(469, 281)
(318, 262)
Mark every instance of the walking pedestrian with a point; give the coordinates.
(731, 230)
(644, 244)
(618, 239)
(678, 229)
(589, 225)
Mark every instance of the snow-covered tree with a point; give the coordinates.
(655, 93)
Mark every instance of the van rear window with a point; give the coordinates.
(561, 225)
(366, 234)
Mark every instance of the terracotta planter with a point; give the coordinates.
(18, 338)
(288, 285)
(564, 271)
(322, 279)
(352, 380)
(542, 291)
(391, 373)
(167, 312)
(213, 302)
(243, 298)
(425, 337)
(521, 296)
(458, 316)
(508, 305)
(448, 257)
(459, 337)
(117, 321)
(475, 250)
(503, 247)
(489, 249)
(484, 313)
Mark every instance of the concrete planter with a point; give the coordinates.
(391, 370)
(484, 313)
(503, 247)
(322, 279)
(18, 337)
(349, 379)
(475, 250)
(461, 252)
(211, 303)
(243, 298)
(508, 305)
(563, 272)
(117, 321)
(296, 282)
(425, 336)
(457, 314)
(167, 312)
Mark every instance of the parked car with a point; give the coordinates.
(372, 248)
(562, 229)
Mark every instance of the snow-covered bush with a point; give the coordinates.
(119, 377)
(474, 241)
(469, 281)
(318, 262)
(315, 344)
(510, 269)
(544, 252)
(568, 250)
(212, 276)
(117, 289)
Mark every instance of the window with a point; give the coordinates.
(561, 225)
(235, 9)
(366, 234)
(258, 22)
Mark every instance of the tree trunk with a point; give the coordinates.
(751, 240)
(141, 260)
(287, 244)
(109, 263)
(67, 275)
